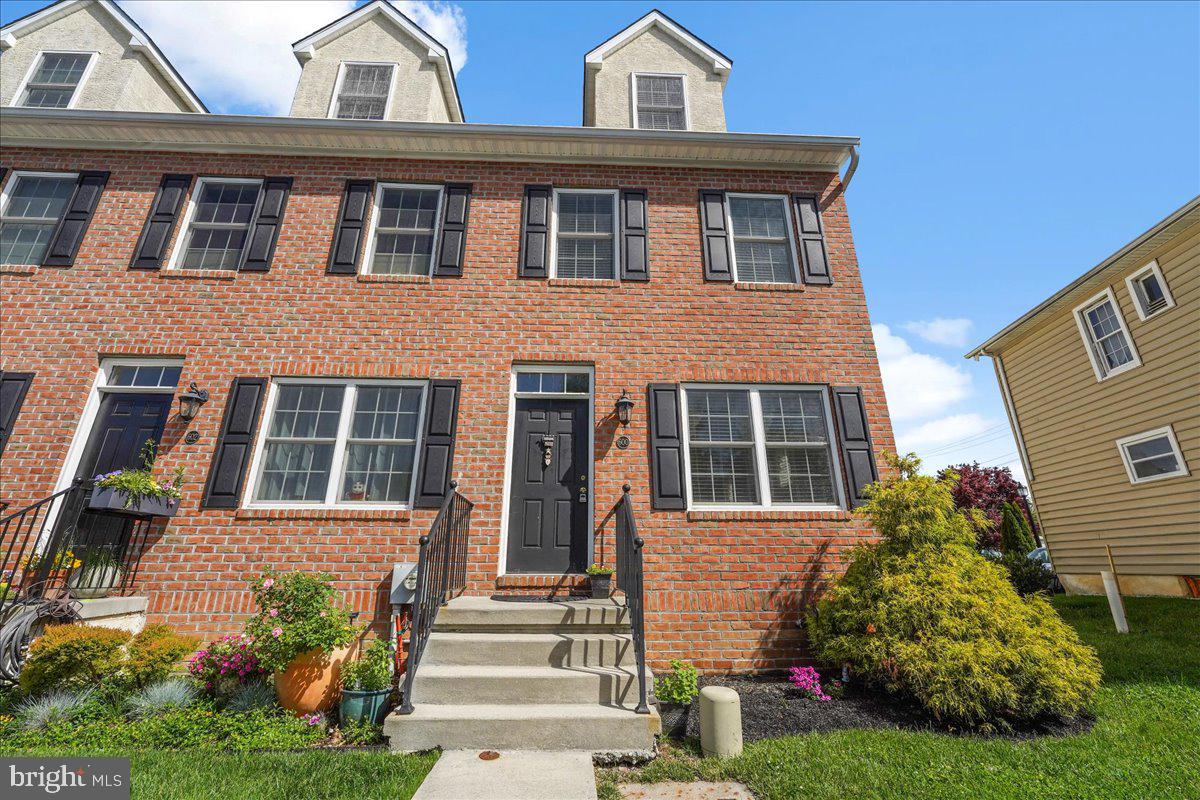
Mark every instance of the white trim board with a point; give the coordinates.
(1166, 431)
(552, 267)
(717, 62)
(337, 86)
(373, 223)
(1132, 281)
(633, 102)
(1085, 331)
(93, 57)
(788, 212)
(179, 245)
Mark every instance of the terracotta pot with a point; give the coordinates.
(311, 681)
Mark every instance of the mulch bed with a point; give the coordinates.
(772, 707)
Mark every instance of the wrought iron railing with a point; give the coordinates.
(441, 575)
(629, 581)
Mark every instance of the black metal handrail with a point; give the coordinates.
(629, 581)
(441, 575)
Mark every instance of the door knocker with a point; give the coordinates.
(547, 450)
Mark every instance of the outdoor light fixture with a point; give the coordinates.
(624, 408)
(190, 402)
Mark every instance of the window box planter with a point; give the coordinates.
(113, 501)
(360, 706)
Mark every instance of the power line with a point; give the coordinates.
(949, 448)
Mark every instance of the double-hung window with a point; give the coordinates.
(363, 91)
(1152, 455)
(55, 80)
(585, 234)
(405, 229)
(760, 447)
(217, 223)
(334, 443)
(1149, 290)
(31, 206)
(763, 247)
(660, 102)
(1108, 342)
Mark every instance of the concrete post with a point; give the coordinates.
(720, 722)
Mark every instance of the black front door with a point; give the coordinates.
(549, 511)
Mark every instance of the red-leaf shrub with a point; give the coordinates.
(987, 489)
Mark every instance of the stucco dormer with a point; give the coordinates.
(88, 54)
(375, 63)
(658, 75)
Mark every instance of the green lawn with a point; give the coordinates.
(1146, 742)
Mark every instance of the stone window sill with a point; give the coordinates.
(380, 514)
(368, 278)
(763, 515)
(18, 269)
(198, 274)
(585, 283)
(768, 287)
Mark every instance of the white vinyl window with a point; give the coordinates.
(760, 447)
(1108, 342)
(339, 443)
(55, 80)
(404, 229)
(363, 91)
(1149, 290)
(1152, 455)
(585, 234)
(217, 223)
(659, 102)
(763, 246)
(31, 205)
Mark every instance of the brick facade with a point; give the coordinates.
(724, 588)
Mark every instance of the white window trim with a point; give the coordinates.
(1157, 433)
(185, 229)
(1085, 331)
(337, 88)
(10, 181)
(791, 236)
(513, 395)
(615, 194)
(93, 57)
(338, 464)
(1131, 283)
(633, 103)
(368, 260)
(760, 448)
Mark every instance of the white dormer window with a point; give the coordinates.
(659, 102)
(55, 80)
(1150, 293)
(363, 91)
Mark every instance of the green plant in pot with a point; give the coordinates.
(674, 693)
(98, 573)
(367, 684)
(601, 581)
(136, 491)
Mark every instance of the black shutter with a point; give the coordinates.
(268, 219)
(857, 456)
(151, 247)
(666, 447)
(437, 448)
(13, 387)
(232, 456)
(351, 227)
(535, 232)
(64, 244)
(813, 255)
(455, 209)
(714, 236)
(635, 251)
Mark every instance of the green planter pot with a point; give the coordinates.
(364, 706)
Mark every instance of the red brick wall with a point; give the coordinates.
(725, 590)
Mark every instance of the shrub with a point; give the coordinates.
(160, 697)
(922, 615)
(359, 733)
(152, 654)
(227, 665)
(1026, 575)
(680, 686)
(985, 489)
(252, 696)
(72, 656)
(372, 672)
(296, 614)
(1015, 536)
(58, 706)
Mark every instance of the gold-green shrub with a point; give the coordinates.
(922, 615)
(72, 657)
(152, 654)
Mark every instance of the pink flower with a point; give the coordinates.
(322, 613)
(268, 583)
(277, 632)
(274, 612)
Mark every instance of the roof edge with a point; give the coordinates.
(721, 63)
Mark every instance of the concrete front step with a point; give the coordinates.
(504, 649)
(484, 614)
(591, 727)
(492, 685)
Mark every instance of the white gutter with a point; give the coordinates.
(1014, 422)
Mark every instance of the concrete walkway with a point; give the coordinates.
(515, 775)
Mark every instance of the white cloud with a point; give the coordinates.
(238, 55)
(939, 434)
(918, 385)
(940, 330)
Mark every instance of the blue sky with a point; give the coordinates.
(1007, 148)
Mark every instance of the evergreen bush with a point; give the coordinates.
(1016, 538)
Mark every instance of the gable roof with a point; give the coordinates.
(139, 41)
(437, 54)
(720, 63)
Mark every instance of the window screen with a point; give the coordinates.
(404, 230)
(54, 82)
(364, 91)
(586, 241)
(34, 206)
(660, 103)
(219, 224)
(761, 250)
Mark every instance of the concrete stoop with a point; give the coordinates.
(551, 676)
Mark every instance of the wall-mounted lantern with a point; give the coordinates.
(624, 408)
(190, 402)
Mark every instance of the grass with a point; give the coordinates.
(1146, 741)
